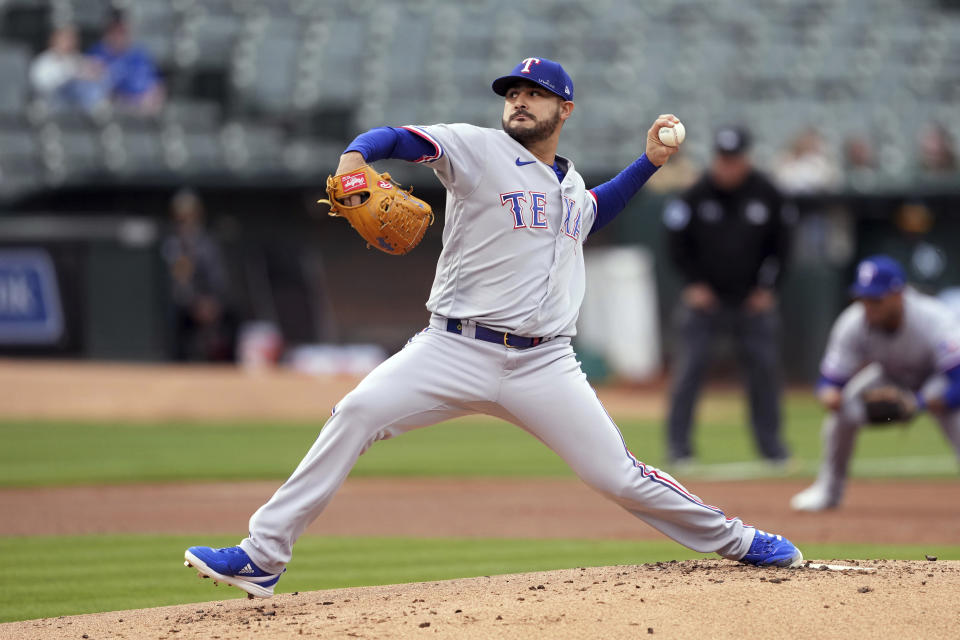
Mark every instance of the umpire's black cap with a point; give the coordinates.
(731, 140)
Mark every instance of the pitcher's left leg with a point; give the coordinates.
(549, 396)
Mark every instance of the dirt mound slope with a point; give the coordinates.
(699, 598)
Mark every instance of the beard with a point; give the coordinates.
(541, 130)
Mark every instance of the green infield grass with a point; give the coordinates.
(45, 453)
(54, 576)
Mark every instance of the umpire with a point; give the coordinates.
(729, 235)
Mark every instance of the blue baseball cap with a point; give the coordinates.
(547, 73)
(877, 276)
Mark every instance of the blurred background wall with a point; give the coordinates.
(854, 106)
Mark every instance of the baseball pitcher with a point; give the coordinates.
(504, 305)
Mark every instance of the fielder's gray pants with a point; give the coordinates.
(756, 338)
(840, 428)
(441, 375)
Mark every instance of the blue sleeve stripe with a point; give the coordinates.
(437, 149)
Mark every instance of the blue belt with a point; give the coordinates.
(496, 337)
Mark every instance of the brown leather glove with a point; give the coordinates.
(387, 217)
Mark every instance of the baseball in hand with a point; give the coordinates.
(672, 136)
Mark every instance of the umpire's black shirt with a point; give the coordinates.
(735, 241)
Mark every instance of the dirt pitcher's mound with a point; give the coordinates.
(693, 599)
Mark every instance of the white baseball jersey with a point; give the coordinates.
(927, 343)
(513, 259)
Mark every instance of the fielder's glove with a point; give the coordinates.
(387, 217)
(889, 404)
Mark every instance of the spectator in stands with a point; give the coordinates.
(937, 155)
(728, 237)
(806, 167)
(859, 163)
(66, 79)
(131, 74)
(204, 327)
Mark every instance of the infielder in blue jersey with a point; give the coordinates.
(892, 353)
(504, 305)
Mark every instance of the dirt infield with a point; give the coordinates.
(107, 391)
(693, 599)
(876, 512)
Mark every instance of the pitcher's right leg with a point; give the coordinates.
(432, 379)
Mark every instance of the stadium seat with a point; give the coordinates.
(203, 153)
(262, 63)
(20, 166)
(192, 115)
(14, 64)
(82, 153)
(216, 36)
(143, 151)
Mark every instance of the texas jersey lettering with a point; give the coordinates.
(489, 244)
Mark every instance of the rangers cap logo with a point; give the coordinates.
(866, 273)
(353, 182)
(548, 74)
(878, 276)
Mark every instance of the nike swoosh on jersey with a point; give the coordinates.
(520, 164)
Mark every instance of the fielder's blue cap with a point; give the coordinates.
(547, 73)
(877, 276)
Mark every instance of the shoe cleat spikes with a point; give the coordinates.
(231, 566)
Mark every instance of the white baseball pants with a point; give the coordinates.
(840, 429)
(441, 375)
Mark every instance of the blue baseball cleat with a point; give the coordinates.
(770, 550)
(232, 565)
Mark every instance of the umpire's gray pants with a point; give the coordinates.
(840, 428)
(756, 336)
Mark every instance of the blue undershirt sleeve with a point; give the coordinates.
(612, 196)
(391, 142)
(826, 381)
(951, 397)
